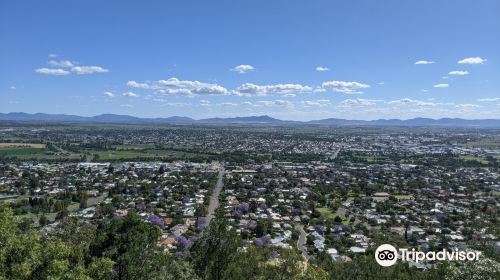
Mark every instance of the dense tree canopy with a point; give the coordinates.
(128, 248)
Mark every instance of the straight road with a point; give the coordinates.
(214, 199)
(302, 241)
(335, 154)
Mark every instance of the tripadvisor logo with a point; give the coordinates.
(387, 255)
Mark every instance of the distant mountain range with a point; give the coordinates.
(262, 120)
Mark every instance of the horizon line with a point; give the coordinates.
(247, 116)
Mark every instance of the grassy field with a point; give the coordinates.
(478, 158)
(74, 206)
(92, 201)
(24, 151)
(372, 159)
(28, 153)
(51, 216)
(404, 197)
(148, 153)
(21, 151)
(326, 213)
(134, 147)
(487, 143)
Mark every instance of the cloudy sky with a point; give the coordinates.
(290, 59)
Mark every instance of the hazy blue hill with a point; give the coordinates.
(126, 119)
(176, 119)
(111, 118)
(250, 119)
(333, 121)
(19, 116)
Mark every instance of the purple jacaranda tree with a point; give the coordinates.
(259, 242)
(275, 255)
(262, 241)
(157, 221)
(183, 242)
(320, 229)
(201, 223)
(237, 213)
(140, 207)
(244, 207)
(251, 225)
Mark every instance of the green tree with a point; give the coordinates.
(43, 221)
(217, 247)
(132, 244)
(26, 255)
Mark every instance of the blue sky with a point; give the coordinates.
(289, 59)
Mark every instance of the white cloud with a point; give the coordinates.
(489, 99)
(109, 94)
(149, 97)
(228, 104)
(12, 88)
(322, 69)
(178, 104)
(79, 70)
(84, 70)
(317, 103)
(243, 68)
(258, 90)
(276, 103)
(424, 62)
(408, 101)
(135, 84)
(458, 73)
(472, 60)
(130, 94)
(283, 103)
(52, 55)
(359, 102)
(52, 71)
(466, 106)
(61, 63)
(174, 86)
(441, 85)
(205, 103)
(289, 95)
(126, 106)
(345, 87)
(251, 89)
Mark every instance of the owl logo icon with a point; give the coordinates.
(386, 255)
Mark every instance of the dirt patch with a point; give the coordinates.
(22, 145)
